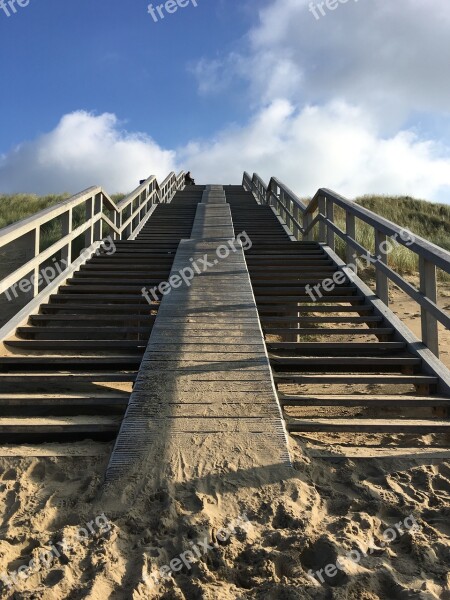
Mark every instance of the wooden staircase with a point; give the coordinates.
(68, 373)
(338, 364)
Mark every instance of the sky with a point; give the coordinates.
(353, 96)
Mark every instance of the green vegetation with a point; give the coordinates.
(16, 207)
(430, 221)
(425, 219)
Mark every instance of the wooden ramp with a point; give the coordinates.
(205, 379)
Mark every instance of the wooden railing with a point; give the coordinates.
(123, 220)
(316, 220)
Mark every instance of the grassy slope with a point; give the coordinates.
(431, 221)
(19, 206)
(425, 219)
(16, 207)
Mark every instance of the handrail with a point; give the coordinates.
(302, 218)
(127, 215)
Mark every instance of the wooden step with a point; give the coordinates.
(333, 348)
(293, 289)
(73, 319)
(368, 361)
(81, 345)
(419, 426)
(49, 378)
(320, 331)
(356, 379)
(372, 401)
(302, 319)
(267, 310)
(73, 400)
(101, 298)
(50, 425)
(283, 300)
(68, 333)
(137, 308)
(69, 362)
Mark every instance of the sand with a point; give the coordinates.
(291, 521)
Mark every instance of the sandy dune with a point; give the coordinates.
(102, 545)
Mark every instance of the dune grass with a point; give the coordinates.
(15, 207)
(425, 219)
(428, 220)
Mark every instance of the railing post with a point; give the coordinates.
(331, 236)
(37, 250)
(350, 230)
(89, 235)
(381, 278)
(322, 205)
(307, 220)
(428, 287)
(296, 213)
(118, 224)
(66, 252)
(98, 207)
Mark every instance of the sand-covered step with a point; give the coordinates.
(63, 400)
(83, 333)
(51, 377)
(101, 298)
(297, 298)
(65, 308)
(56, 320)
(277, 309)
(320, 331)
(417, 426)
(257, 270)
(335, 378)
(39, 363)
(294, 289)
(315, 319)
(69, 345)
(372, 401)
(375, 362)
(49, 425)
(339, 453)
(99, 287)
(337, 348)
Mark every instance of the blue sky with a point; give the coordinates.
(356, 99)
(112, 57)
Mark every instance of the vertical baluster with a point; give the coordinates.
(350, 229)
(381, 254)
(37, 250)
(330, 216)
(322, 203)
(67, 225)
(428, 287)
(89, 235)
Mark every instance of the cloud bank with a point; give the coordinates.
(81, 151)
(341, 102)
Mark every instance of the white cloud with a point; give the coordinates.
(331, 98)
(390, 56)
(83, 150)
(336, 146)
(332, 104)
